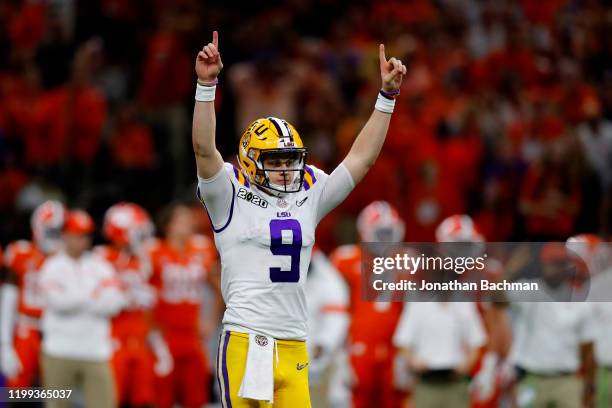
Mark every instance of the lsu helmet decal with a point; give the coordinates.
(272, 138)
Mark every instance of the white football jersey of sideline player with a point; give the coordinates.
(265, 243)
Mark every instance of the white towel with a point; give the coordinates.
(258, 380)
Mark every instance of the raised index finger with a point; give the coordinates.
(215, 40)
(381, 54)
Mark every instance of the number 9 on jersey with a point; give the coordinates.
(279, 248)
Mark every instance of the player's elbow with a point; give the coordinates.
(365, 162)
(202, 150)
(358, 166)
(199, 149)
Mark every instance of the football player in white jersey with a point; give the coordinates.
(264, 216)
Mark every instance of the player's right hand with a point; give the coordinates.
(208, 63)
(391, 71)
(10, 365)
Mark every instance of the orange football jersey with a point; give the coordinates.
(180, 277)
(134, 275)
(371, 322)
(25, 260)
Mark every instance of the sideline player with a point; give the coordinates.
(127, 227)
(492, 372)
(183, 263)
(21, 297)
(371, 349)
(328, 321)
(264, 217)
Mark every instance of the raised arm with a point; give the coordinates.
(368, 143)
(208, 65)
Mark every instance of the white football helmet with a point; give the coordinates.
(380, 222)
(458, 228)
(591, 250)
(47, 222)
(459, 237)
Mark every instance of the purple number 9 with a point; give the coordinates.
(293, 249)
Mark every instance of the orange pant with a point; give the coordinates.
(189, 381)
(374, 385)
(27, 347)
(133, 368)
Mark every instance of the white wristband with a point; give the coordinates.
(383, 104)
(205, 93)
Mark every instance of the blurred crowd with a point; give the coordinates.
(504, 113)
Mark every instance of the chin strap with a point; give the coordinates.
(271, 192)
(277, 188)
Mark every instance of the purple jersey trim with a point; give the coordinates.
(230, 214)
(225, 376)
(219, 374)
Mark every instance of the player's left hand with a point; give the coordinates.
(391, 71)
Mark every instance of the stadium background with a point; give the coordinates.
(96, 101)
(503, 114)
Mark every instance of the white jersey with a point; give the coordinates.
(265, 243)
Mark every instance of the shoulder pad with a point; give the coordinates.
(15, 249)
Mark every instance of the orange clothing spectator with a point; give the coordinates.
(460, 160)
(66, 122)
(132, 147)
(383, 178)
(27, 27)
(166, 78)
(580, 102)
(542, 11)
(12, 180)
(549, 201)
